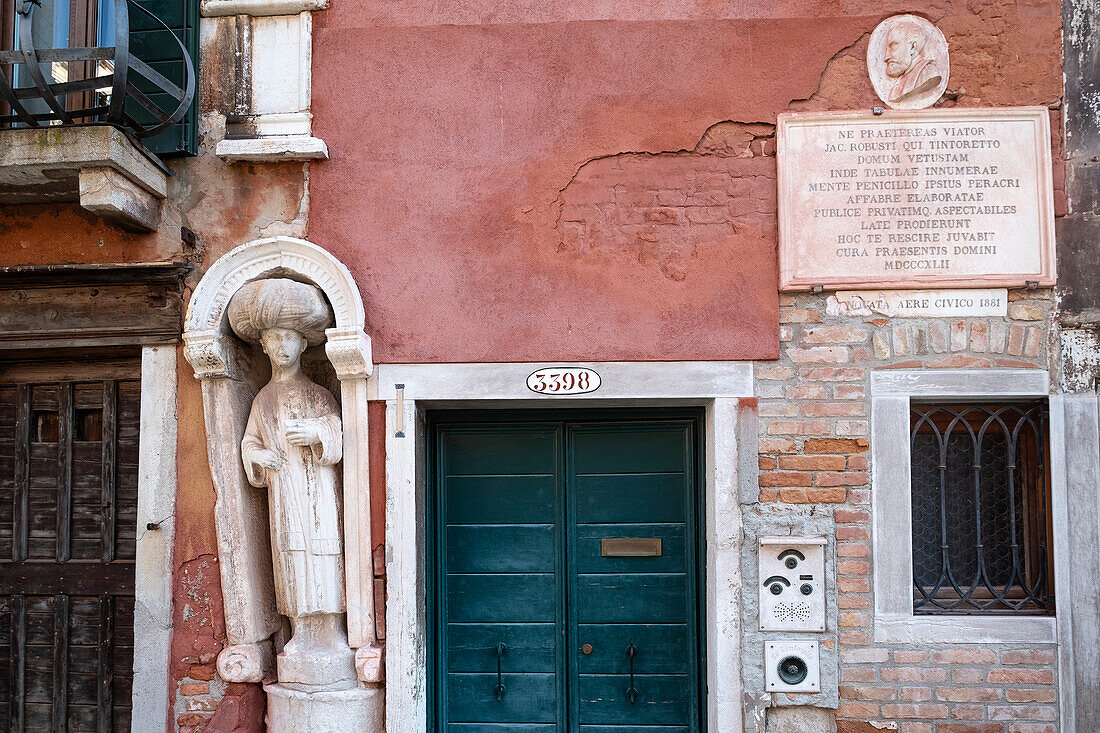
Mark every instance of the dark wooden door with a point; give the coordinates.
(565, 585)
(68, 513)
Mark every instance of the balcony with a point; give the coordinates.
(76, 121)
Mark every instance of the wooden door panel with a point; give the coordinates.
(635, 729)
(618, 449)
(498, 582)
(619, 598)
(500, 728)
(630, 498)
(662, 700)
(68, 496)
(639, 613)
(500, 597)
(500, 452)
(527, 499)
(521, 515)
(589, 548)
(528, 698)
(661, 648)
(472, 647)
(504, 548)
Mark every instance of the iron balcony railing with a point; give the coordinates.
(98, 96)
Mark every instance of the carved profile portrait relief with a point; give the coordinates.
(907, 61)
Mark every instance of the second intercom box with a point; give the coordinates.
(792, 583)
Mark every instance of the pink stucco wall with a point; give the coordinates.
(529, 191)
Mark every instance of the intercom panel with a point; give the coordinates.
(792, 583)
(792, 666)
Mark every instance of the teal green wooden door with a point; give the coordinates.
(564, 567)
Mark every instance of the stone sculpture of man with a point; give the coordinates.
(913, 72)
(292, 446)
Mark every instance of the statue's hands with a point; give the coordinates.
(302, 433)
(269, 459)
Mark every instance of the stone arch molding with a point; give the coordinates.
(240, 511)
(206, 328)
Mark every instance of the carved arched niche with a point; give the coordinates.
(231, 373)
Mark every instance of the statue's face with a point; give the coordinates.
(283, 345)
(900, 53)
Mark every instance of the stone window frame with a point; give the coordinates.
(891, 512)
(411, 389)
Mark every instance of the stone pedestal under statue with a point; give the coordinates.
(332, 711)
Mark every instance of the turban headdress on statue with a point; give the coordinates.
(279, 303)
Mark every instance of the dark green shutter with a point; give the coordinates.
(153, 45)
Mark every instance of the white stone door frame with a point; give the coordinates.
(411, 389)
(241, 522)
(153, 564)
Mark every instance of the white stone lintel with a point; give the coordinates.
(215, 8)
(274, 148)
(620, 380)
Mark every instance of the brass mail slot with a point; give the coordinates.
(630, 547)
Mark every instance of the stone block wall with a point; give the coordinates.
(815, 438)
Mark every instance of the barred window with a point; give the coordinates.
(981, 509)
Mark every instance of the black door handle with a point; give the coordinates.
(500, 689)
(632, 691)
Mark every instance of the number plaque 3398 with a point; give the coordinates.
(563, 380)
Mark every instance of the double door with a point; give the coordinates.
(564, 562)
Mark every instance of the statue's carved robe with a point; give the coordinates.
(305, 518)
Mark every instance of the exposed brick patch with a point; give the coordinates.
(1021, 676)
(836, 445)
(856, 726)
(820, 454)
(240, 711)
(964, 656)
(1028, 656)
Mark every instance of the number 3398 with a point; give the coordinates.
(563, 380)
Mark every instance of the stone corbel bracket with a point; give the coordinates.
(277, 124)
(240, 516)
(96, 166)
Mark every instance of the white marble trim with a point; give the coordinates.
(215, 8)
(620, 380)
(153, 566)
(713, 385)
(894, 620)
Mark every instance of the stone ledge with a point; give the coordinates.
(215, 8)
(96, 166)
(273, 148)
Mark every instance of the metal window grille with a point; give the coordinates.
(981, 509)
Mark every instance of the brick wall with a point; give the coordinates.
(815, 449)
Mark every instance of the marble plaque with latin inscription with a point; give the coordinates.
(911, 199)
(980, 303)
